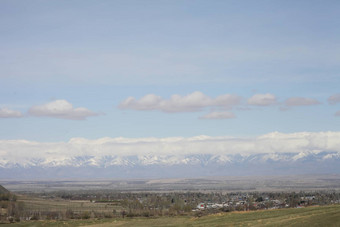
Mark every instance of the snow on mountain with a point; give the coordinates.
(151, 166)
(173, 160)
(273, 153)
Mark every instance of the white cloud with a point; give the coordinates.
(195, 101)
(25, 152)
(148, 102)
(334, 99)
(61, 109)
(8, 113)
(219, 115)
(262, 100)
(300, 101)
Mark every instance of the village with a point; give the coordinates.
(246, 203)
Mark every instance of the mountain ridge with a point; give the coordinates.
(194, 165)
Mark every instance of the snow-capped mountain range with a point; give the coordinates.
(270, 154)
(174, 166)
(172, 160)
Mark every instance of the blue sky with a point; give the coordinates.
(93, 55)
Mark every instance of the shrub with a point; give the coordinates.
(85, 215)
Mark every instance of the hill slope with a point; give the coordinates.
(3, 190)
(310, 216)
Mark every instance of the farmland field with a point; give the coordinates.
(310, 216)
(58, 205)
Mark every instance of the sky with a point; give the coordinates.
(163, 69)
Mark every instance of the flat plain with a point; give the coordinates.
(226, 184)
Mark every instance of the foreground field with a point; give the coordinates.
(310, 216)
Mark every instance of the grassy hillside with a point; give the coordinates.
(310, 216)
(3, 190)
